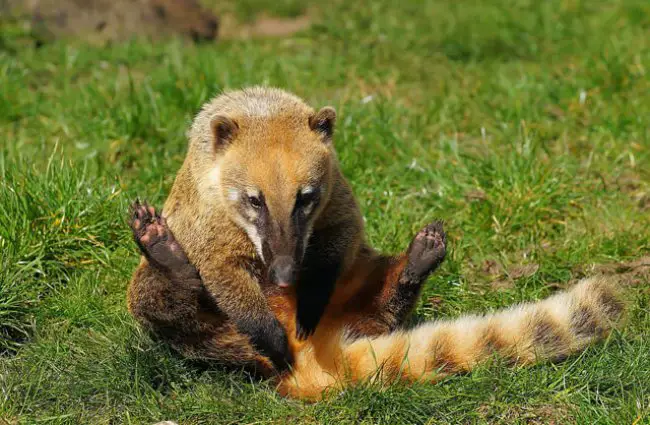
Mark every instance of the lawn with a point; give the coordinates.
(524, 125)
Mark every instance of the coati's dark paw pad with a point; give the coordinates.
(155, 239)
(427, 250)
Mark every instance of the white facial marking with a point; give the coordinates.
(251, 231)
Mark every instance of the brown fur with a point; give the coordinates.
(272, 140)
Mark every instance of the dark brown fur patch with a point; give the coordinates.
(442, 354)
(584, 322)
(611, 305)
(393, 367)
(493, 342)
(359, 326)
(397, 298)
(546, 333)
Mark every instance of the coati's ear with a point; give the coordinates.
(323, 122)
(224, 131)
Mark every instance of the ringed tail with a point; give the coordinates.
(551, 329)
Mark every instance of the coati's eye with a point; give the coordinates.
(255, 202)
(305, 200)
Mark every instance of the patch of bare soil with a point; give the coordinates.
(629, 273)
(263, 26)
(503, 279)
(476, 195)
(499, 278)
(635, 185)
(100, 21)
(535, 415)
(644, 202)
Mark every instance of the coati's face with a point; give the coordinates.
(275, 179)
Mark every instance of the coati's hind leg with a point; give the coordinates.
(423, 256)
(393, 283)
(167, 297)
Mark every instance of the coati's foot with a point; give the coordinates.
(157, 243)
(426, 252)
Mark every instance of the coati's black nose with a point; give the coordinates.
(283, 271)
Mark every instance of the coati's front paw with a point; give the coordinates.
(304, 331)
(279, 351)
(270, 339)
(426, 252)
(157, 242)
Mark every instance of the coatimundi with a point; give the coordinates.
(259, 261)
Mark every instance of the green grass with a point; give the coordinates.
(525, 125)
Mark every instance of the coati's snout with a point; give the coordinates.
(283, 272)
(282, 243)
(282, 230)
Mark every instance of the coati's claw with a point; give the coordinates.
(303, 333)
(427, 251)
(156, 241)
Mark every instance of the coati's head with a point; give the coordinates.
(269, 160)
